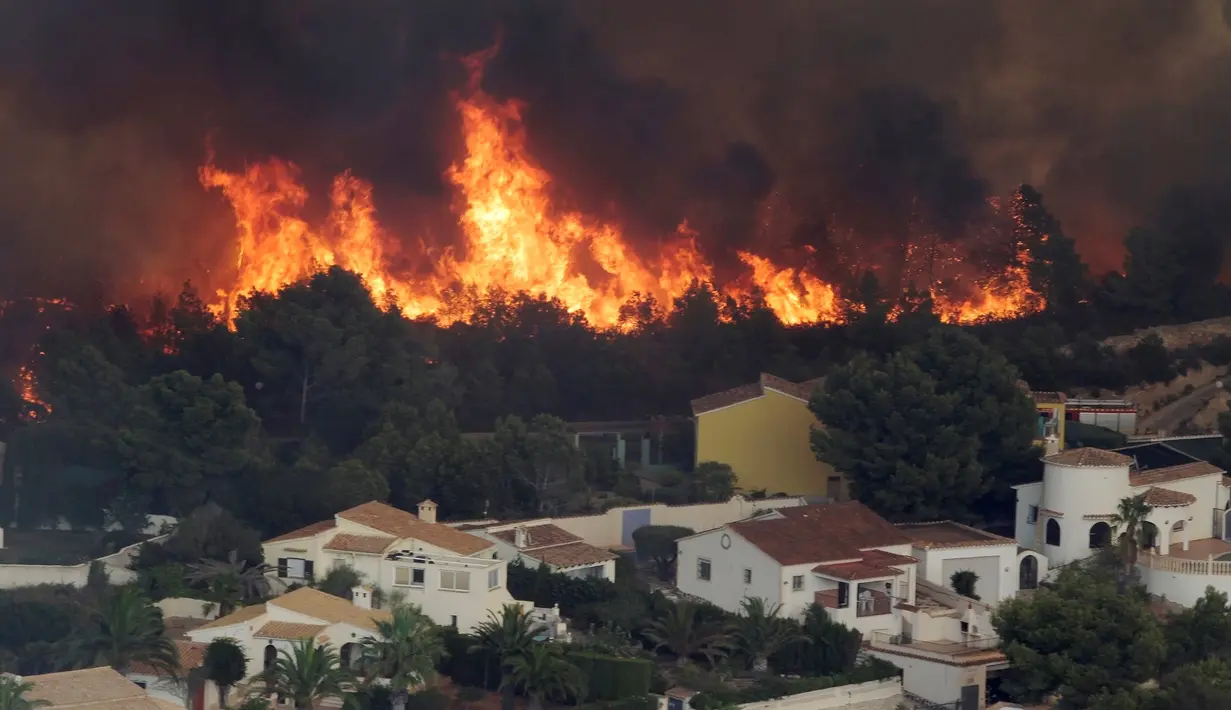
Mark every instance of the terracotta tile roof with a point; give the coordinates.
(328, 608)
(820, 533)
(946, 533)
(401, 524)
(239, 616)
(1164, 498)
(537, 536)
(1087, 457)
(800, 390)
(288, 630)
(1051, 513)
(370, 544)
(573, 554)
(91, 689)
(176, 627)
(875, 563)
(1048, 397)
(303, 532)
(191, 655)
(1150, 477)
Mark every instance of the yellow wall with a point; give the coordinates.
(767, 442)
(1057, 409)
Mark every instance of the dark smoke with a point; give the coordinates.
(873, 118)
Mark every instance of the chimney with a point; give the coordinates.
(427, 510)
(361, 596)
(1051, 445)
(520, 537)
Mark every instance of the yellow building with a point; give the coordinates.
(763, 432)
(1050, 406)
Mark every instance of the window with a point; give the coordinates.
(453, 620)
(1032, 514)
(417, 575)
(1100, 535)
(833, 488)
(457, 581)
(747, 576)
(1178, 527)
(401, 576)
(493, 579)
(965, 627)
(797, 583)
(295, 568)
(844, 595)
(1053, 532)
(703, 569)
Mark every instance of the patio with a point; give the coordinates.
(1204, 549)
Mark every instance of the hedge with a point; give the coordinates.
(480, 669)
(612, 678)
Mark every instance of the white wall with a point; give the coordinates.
(1076, 492)
(990, 570)
(726, 588)
(368, 566)
(115, 564)
(187, 608)
(1030, 494)
(875, 695)
(1182, 588)
(938, 682)
(996, 566)
(441, 605)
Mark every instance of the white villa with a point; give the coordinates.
(547, 543)
(890, 583)
(1066, 516)
(454, 576)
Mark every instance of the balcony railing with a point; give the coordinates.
(972, 642)
(874, 607)
(1179, 565)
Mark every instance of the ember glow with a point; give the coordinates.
(27, 387)
(515, 240)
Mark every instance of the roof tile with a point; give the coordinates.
(545, 535)
(239, 616)
(326, 607)
(1165, 498)
(191, 655)
(1088, 457)
(743, 393)
(401, 524)
(304, 532)
(946, 534)
(573, 554)
(1152, 476)
(820, 533)
(368, 544)
(288, 630)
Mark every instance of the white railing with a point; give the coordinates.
(1169, 563)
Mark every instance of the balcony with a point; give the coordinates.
(973, 647)
(876, 606)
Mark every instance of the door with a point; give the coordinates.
(1226, 526)
(1028, 577)
(633, 520)
(970, 698)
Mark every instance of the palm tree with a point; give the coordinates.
(684, 632)
(542, 672)
(232, 581)
(506, 637)
(1129, 525)
(308, 674)
(128, 629)
(760, 632)
(13, 694)
(225, 664)
(405, 650)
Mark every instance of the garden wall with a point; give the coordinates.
(875, 695)
(116, 565)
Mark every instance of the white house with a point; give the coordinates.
(362, 536)
(549, 544)
(867, 574)
(176, 688)
(945, 547)
(1067, 515)
(93, 689)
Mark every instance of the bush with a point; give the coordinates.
(612, 678)
(479, 669)
(546, 588)
(832, 648)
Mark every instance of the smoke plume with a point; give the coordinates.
(783, 125)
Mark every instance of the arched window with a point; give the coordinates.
(1100, 535)
(271, 655)
(348, 656)
(1053, 532)
(1179, 526)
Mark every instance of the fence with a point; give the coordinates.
(877, 693)
(1169, 563)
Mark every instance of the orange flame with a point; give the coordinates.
(27, 388)
(514, 240)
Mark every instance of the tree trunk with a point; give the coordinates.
(303, 397)
(507, 697)
(536, 703)
(760, 664)
(222, 694)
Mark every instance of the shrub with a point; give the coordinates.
(773, 687)
(479, 669)
(831, 647)
(546, 588)
(612, 678)
(430, 699)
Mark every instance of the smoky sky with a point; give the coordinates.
(862, 117)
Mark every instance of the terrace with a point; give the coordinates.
(974, 649)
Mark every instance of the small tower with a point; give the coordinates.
(427, 510)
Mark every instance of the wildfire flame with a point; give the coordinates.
(514, 240)
(27, 388)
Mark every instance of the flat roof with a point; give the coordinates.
(946, 533)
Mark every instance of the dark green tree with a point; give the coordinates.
(126, 628)
(711, 481)
(225, 664)
(658, 543)
(308, 674)
(758, 632)
(187, 440)
(830, 649)
(506, 637)
(1080, 637)
(1056, 271)
(1200, 632)
(685, 631)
